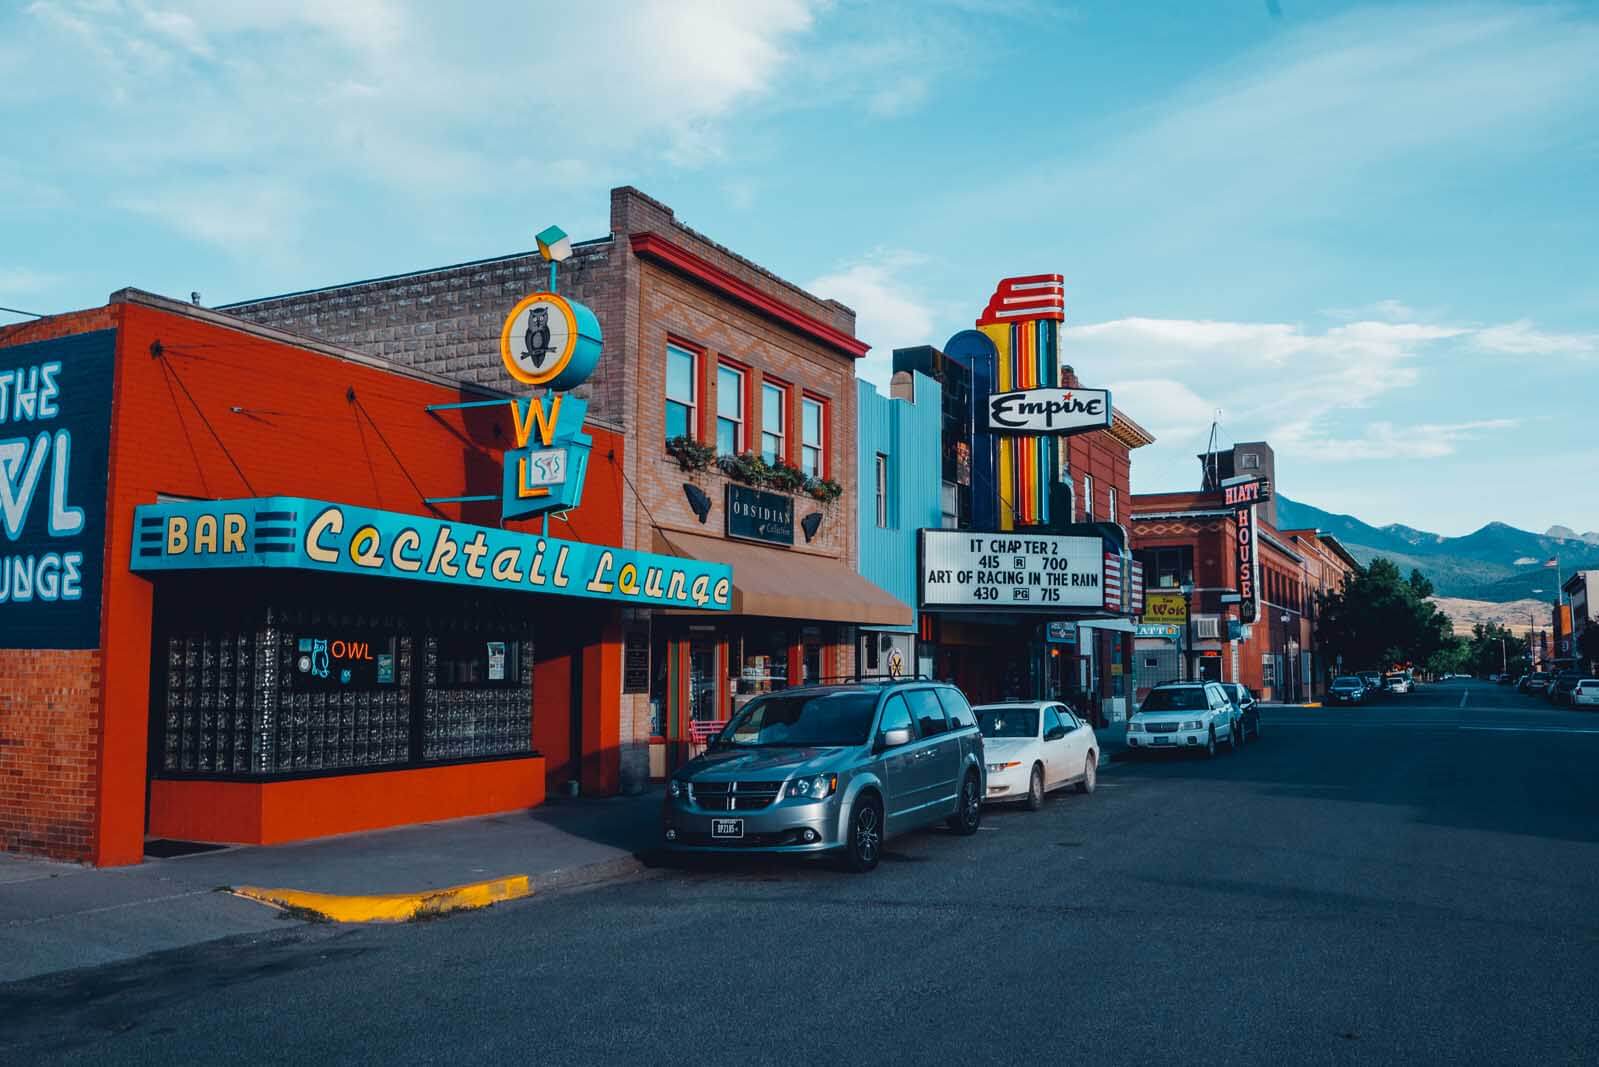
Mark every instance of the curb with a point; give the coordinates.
(589, 874)
(391, 907)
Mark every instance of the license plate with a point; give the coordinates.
(727, 827)
(1162, 740)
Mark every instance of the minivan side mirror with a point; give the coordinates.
(894, 738)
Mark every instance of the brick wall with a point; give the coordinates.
(49, 727)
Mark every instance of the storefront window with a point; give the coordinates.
(278, 682)
(763, 662)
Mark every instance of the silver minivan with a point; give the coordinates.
(831, 767)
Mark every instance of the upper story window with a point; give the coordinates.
(774, 422)
(1112, 504)
(882, 490)
(1167, 568)
(1088, 498)
(1249, 461)
(729, 410)
(682, 392)
(813, 437)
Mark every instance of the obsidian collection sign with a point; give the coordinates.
(760, 516)
(55, 432)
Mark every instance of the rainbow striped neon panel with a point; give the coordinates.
(1023, 319)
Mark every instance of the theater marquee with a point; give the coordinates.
(964, 569)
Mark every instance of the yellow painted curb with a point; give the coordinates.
(1314, 704)
(393, 907)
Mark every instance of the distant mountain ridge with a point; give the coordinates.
(1482, 565)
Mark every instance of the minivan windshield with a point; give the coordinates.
(827, 719)
(1008, 722)
(1192, 699)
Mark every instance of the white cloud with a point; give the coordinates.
(430, 102)
(232, 213)
(1165, 407)
(1384, 440)
(1386, 310)
(888, 313)
(1522, 338)
(901, 96)
(24, 280)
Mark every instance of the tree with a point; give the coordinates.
(1493, 649)
(1453, 658)
(1381, 619)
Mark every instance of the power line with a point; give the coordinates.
(19, 311)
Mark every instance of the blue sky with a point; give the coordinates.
(1367, 232)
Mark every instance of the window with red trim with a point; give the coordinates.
(774, 421)
(732, 386)
(682, 392)
(813, 437)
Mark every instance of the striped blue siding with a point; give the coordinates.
(909, 433)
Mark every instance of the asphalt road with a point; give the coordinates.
(1414, 881)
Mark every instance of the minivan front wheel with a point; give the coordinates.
(864, 847)
(969, 814)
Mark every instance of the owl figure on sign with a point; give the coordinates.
(536, 339)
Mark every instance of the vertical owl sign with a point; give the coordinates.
(552, 342)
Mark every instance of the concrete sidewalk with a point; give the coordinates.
(56, 916)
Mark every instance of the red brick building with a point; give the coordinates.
(1188, 544)
(700, 344)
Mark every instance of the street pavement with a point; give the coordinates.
(1414, 881)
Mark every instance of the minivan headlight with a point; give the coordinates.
(813, 786)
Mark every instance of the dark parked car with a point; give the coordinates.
(1536, 682)
(1346, 689)
(1248, 706)
(1561, 687)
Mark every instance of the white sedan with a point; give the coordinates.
(1034, 746)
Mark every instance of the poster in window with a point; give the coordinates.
(496, 661)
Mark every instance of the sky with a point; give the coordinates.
(1368, 233)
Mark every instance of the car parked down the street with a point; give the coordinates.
(1396, 683)
(1586, 693)
(1536, 682)
(1189, 715)
(1032, 747)
(1347, 689)
(831, 768)
(1248, 706)
(1560, 687)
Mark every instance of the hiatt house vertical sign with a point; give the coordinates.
(55, 431)
(1242, 497)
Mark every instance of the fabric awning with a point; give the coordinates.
(790, 585)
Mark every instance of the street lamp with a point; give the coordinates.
(1288, 664)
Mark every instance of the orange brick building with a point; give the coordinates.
(176, 703)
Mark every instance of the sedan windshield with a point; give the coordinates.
(1008, 722)
(1347, 683)
(1176, 700)
(828, 719)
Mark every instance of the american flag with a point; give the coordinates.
(1553, 562)
(1113, 581)
(1035, 296)
(1136, 581)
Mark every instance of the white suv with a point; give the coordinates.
(1192, 715)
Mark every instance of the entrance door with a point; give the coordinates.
(1210, 668)
(702, 678)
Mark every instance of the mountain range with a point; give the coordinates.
(1496, 563)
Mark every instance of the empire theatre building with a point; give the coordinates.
(1032, 593)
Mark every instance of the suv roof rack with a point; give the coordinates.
(869, 679)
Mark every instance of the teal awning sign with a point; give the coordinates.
(1169, 631)
(314, 535)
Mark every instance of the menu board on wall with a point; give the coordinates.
(636, 662)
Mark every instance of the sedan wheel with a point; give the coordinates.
(1090, 775)
(1035, 789)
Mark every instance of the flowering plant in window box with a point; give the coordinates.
(824, 489)
(690, 454)
(751, 469)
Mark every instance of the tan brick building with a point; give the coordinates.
(699, 344)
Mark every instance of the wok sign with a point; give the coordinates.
(1056, 411)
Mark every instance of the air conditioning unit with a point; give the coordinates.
(1207, 628)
